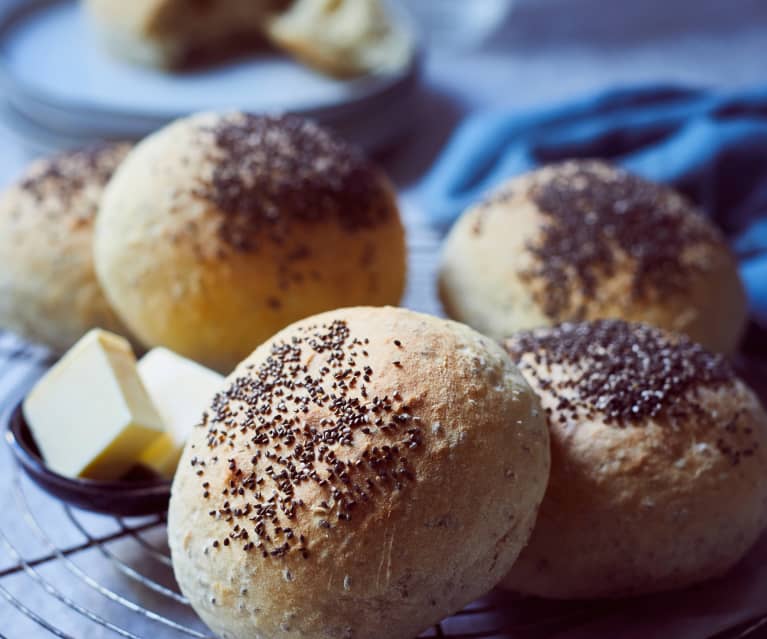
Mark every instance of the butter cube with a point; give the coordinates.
(181, 390)
(90, 414)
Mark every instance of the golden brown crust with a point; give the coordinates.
(582, 240)
(48, 288)
(659, 456)
(369, 477)
(221, 229)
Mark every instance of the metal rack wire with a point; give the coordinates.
(152, 553)
(71, 574)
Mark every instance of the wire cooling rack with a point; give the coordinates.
(75, 575)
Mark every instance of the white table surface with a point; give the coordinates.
(546, 51)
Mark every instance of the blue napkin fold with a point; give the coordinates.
(711, 146)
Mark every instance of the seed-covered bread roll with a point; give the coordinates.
(659, 462)
(48, 288)
(221, 229)
(583, 240)
(363, 474)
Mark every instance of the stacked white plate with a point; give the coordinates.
(60, 87)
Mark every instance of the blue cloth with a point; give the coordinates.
(711, 146)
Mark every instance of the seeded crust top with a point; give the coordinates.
(273, 173)
(68, 186)
(597, 217)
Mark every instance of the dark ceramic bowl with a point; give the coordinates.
(132, 496)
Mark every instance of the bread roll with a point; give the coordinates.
(48, 289)
(221, 229)
(166, 33)
(583, 240)
(342, 37)
(363, 474)
(659, 462)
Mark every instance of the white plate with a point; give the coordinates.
(57, 75)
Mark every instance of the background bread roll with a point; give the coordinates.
(583, 240)
(220, 229)
(337, 488)
(48, 288)
(659, 462)
(342, 37)
(165, 33)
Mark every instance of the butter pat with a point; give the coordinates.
(181, 390)
(90, 414)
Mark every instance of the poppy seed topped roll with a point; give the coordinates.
(659, 462)
(583, 240)
(48, 288)
(221, 229)
(363, 474)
